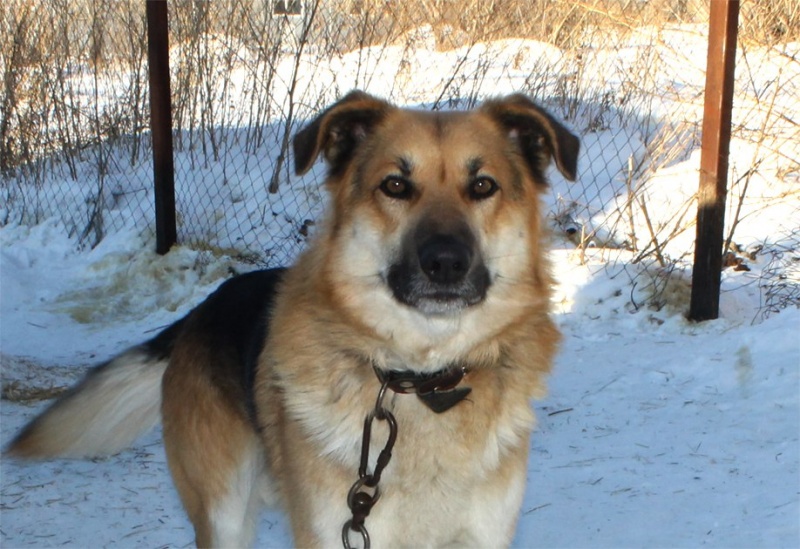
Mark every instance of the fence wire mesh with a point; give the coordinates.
(626, 75)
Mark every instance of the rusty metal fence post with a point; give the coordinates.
(161, 124)
(706, 275)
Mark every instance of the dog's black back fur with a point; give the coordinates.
(233, 320)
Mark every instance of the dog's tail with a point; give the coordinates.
(113, 405)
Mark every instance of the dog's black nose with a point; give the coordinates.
(444, 259)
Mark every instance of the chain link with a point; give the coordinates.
(365, 491)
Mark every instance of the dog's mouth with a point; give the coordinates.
(443, 275)
(432, 301)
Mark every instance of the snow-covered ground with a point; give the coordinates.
(657, 432)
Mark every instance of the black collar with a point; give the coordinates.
(439, 391)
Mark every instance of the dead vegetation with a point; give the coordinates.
(74, 103)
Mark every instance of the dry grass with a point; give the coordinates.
(43, 43)
(20, 393)
(56, 54)
(25, 381)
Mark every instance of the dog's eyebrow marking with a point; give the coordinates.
(405, 166)
(474, 165)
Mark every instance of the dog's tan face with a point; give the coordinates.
(436, 225)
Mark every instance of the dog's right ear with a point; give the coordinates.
(337, 131)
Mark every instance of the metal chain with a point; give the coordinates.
(365, 491)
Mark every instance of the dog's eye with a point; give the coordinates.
(482, 187)
(396, 187)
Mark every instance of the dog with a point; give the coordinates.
(379, 389)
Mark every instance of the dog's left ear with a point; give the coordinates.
(338, 131)
(539, 135)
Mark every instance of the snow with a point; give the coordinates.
(657, 432)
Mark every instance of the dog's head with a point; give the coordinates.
(435, 225)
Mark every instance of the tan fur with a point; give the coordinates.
(456, 478)
(209, 443)
(464, 468)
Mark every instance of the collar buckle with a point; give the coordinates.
(439, 391)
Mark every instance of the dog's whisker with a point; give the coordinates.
(505, 256)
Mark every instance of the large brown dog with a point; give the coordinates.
(421, 306)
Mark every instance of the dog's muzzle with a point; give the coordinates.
(439, 273)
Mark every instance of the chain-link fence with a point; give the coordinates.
(626, 75)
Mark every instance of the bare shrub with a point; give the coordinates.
(74, 109)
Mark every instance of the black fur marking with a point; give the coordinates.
(160, 347)
(233, 323)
